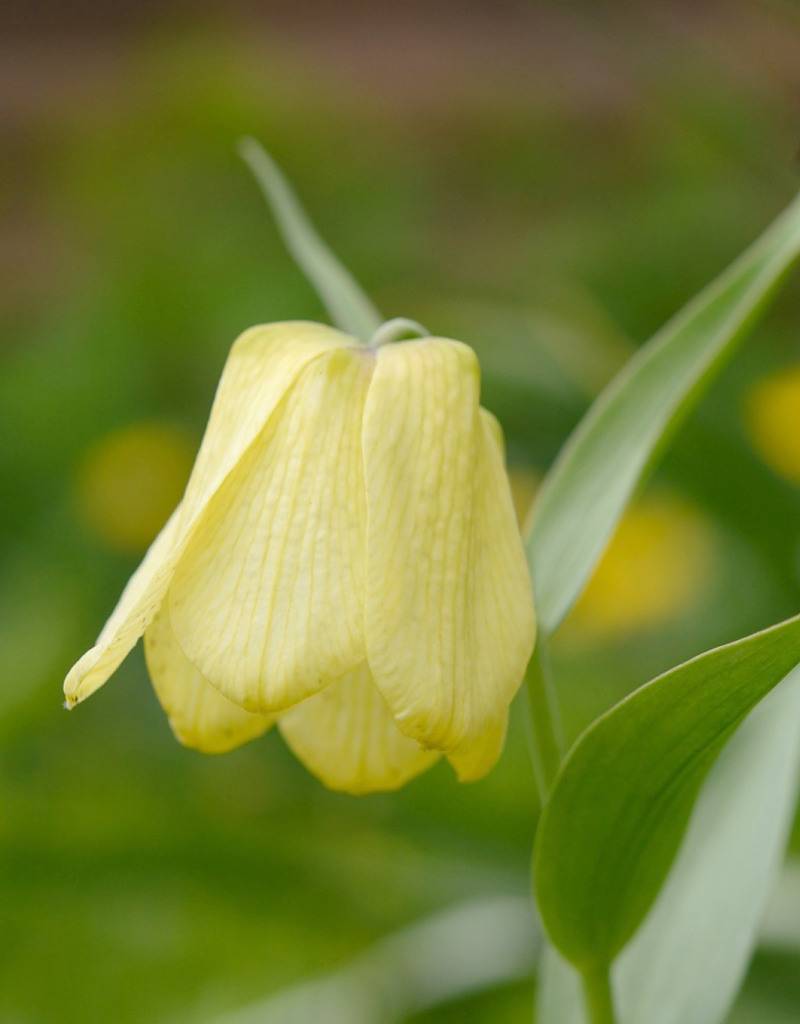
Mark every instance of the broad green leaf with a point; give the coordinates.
(624, 795)
(349, 308)
(591, 483)
(685, 964)
(781, 929)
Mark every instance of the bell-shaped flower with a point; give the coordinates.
(345, 562)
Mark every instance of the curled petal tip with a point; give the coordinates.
(74, 682)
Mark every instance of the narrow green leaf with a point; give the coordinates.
(687, 961)
(625, 793)
(591, 483)
(349, 307)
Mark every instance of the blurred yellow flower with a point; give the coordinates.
(345, 561)
(772, 418)
(129, 481)
(653, 570)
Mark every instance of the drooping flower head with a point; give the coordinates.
(345, 562)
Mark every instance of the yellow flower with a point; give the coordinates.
(345, 561)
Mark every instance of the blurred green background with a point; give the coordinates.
(546, 182)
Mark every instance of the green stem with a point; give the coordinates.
(597, 995)
(394, 330)
(544, 719)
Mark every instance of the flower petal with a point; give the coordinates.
(473, 759)
(346, 736)
(199, 715)
(449, 611)
(268, 600)
(493, 427)
(262, 365)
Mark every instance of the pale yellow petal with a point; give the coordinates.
(345, 736)
(139, 602)
(493, 426)
(449, 612)
(474, 758)
(199, 715)
(262, 365)
(268, 600)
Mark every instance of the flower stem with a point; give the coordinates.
(394, 330)
(544, 719)
(598, 996)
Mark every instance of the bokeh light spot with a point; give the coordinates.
(772, 418)
(654, 570)
(129, 481)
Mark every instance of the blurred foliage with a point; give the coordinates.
(141, 882)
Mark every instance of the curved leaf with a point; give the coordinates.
(350, 308)
(685, 964)
(591, 483)
(624, 796)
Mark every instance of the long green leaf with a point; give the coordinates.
(349, 308)
(685, 964)
(588, 488)
(623, 798)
